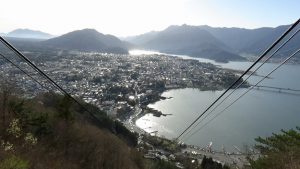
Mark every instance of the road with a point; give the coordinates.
(130, 122)
(238, 160)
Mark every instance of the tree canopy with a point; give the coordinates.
(280, 151)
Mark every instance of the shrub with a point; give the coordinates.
(14, 162)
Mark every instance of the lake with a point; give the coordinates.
(258, 113)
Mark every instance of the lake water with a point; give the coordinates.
(258, 113)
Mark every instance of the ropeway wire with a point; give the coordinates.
(249, 89)
(241, 77)
(252, 73)
(23, 71)
(32, 65)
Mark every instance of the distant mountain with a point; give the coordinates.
(265, 41)
(89, 40)
(187, 40)
(254, 41)
(141, 39)
(237, 38)
(27, 33)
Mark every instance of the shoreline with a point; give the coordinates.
(232, 158)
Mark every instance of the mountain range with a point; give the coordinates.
(187, 40)
(250, 41)
(219, 44)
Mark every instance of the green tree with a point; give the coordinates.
(7, 91)
(280, 151)
(64, 108)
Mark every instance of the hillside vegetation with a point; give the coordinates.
(50, 131)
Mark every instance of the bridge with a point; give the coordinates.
(278, 89)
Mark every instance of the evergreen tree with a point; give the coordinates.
(280, 151)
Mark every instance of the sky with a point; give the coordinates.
(132, 17)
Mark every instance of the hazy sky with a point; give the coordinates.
(131, 17)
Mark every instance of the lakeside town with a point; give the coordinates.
(123, 86)
(115, 83)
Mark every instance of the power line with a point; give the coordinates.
(249, 89)
(18, 53)
(252, 73)
(241, 77)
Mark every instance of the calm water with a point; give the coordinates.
(258, 113)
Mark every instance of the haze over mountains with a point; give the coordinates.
(28, 33)
(219, 44)
(249, 41)
(86, 40)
